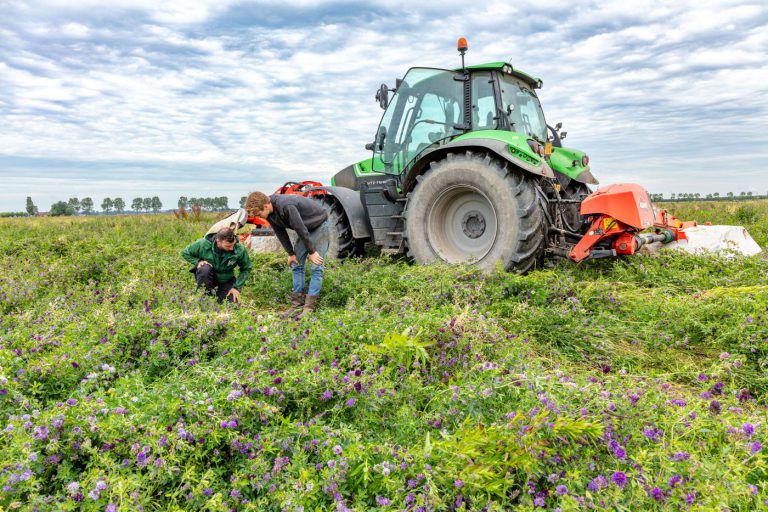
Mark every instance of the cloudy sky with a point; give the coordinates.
(208, 98)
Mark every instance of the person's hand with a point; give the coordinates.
(201, 263)
(235, 293)
(292, 260)
(316, 258)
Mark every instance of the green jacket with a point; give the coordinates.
(223, 262)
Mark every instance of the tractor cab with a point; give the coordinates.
(431, 107)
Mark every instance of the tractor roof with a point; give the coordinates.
(508, 68)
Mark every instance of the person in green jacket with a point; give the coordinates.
(214, 258)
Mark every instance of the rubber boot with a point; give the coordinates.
(310, 305)
(297, 303)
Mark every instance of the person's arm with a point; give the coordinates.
(285, 240)
(191, 253)
(296, 224)
(245, 265)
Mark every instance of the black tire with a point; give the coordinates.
(342, 244)
(472, 208)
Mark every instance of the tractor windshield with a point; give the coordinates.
(424, 111)
(526, 115)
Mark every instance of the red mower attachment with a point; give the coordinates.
(618, 214)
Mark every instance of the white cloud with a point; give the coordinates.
(286, 88)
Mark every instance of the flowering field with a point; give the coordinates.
(636, 384)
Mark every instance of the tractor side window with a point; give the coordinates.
(434, 121)
(426, 109)
(483, 102)
(526, 115)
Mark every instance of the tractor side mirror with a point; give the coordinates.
(563, 134)
(510, 108)
(382, 96)
(369, 146)
(558, 126)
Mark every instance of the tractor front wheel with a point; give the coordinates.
(472, 208)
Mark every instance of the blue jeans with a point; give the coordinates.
(320, 238)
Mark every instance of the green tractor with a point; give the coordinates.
(464, 168)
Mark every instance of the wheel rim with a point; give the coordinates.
(461, 225)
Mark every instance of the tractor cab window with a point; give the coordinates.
(483, 102)
(526, 115)
(424, 111)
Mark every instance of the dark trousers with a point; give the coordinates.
(206, 277)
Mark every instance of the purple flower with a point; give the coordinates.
(748, 429)
(207, 492)
(714, 407)
(351, 402)
(71, 402)
(618, 451)
(331, 463)
(681, 456)
(619, 478)
(327, 394)
(235, 494)
(111, 508)
(458, 483)
(755, 447)
(337, 450)
(599, 482)
(561, 490)
(657, 494)
(382, 501)
(539, 501)
(675, 481)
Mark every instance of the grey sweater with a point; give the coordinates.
(298, 213)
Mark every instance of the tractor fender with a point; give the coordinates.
(497, 147)
(353, 208)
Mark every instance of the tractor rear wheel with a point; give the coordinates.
(472, 208)
(342, 244)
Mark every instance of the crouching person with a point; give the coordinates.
(214, 258)
(309, 220)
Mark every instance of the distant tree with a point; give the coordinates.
(146, 203)
(730, 194)
(716, 194)
(673, 196)
(87, 205)
(155, 204)
(31, 208)
(61, 208)
(242, 201)
(183, 202)
(119, 204)
(224, 203)
(137, 204)
(749, 194)
(107, 204)
(697, 195)
(74, 203)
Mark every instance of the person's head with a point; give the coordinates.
(258, 205)
(225, 239)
